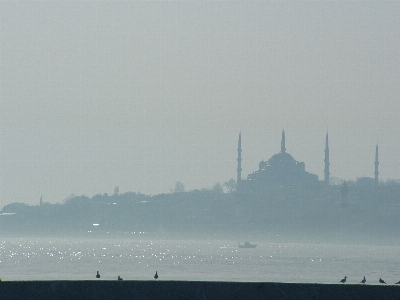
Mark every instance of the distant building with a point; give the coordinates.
(369, 181)
(326, 161)
(280, 170)
(283, 170)
(376, 173)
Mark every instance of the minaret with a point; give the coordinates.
(239, 160)
(376, 165)
(283, 148)
(326, 160)
(41, 200)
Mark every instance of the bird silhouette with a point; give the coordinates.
(344, 279)
(363, 281)
(382, 281)
(98, 274)
(156, 275)
(119, 278)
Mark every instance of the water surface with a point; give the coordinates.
(135, 259)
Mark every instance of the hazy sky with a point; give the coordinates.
(140, 95)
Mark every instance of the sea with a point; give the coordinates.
(195, 260)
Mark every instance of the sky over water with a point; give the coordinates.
(141, 95)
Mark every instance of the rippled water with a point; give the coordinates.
(69, 259)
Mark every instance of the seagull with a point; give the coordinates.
(98, 274)
(382, 281)
(156, 275)
(119, 278)
(364, 280)
(344, 279)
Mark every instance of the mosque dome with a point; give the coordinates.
(280, 170)
(281, 158)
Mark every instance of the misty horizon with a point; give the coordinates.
(142, 95)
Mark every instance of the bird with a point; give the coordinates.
(119, 278)
(98, 274)
(382, 281)
(156, 275)
(344, 279)
(364, 280)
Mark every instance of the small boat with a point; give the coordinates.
(247, 245)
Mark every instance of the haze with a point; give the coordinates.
(141, 95)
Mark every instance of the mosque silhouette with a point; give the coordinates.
(283, 170)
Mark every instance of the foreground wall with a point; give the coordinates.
(179, 290)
